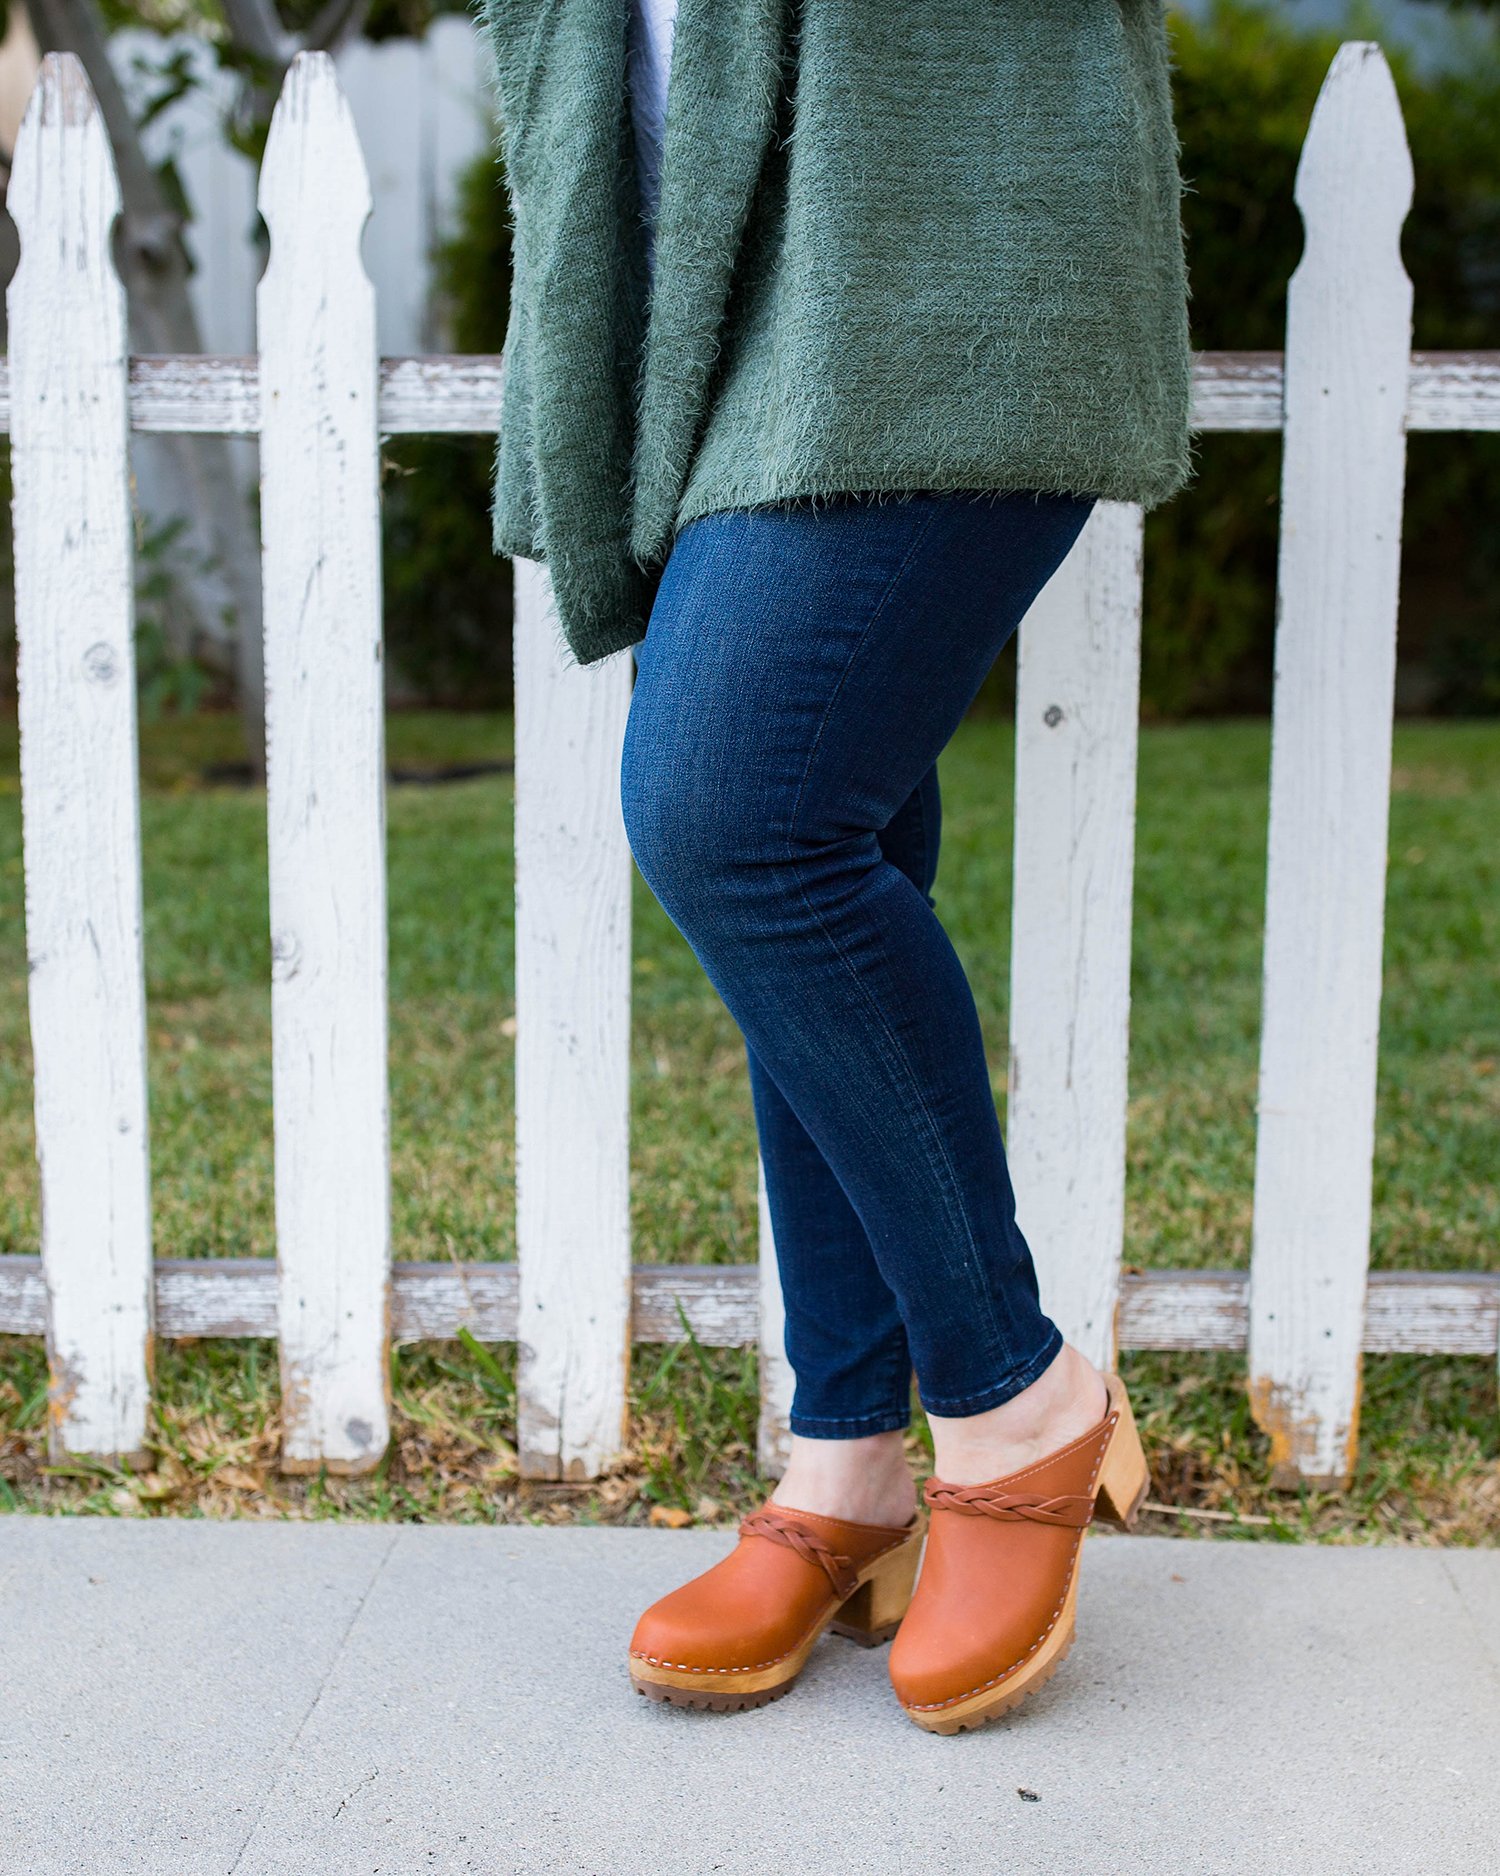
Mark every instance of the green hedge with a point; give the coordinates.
(1246, 81)
(447, 596)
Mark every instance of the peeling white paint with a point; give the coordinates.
(573, 881)
(1077, 716)
(325, 725)
(1349, 315)
(75, 625)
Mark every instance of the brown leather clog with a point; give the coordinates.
(738, 1635)
(992, 1617)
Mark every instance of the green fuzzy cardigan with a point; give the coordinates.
(901, 244)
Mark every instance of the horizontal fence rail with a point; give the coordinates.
(1407, 1312)
(460, 396)
(1345, 394)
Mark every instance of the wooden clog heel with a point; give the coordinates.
(873, 1613)
(1124, 1479)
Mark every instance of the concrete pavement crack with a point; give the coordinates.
(312, 1705)
(1485, 1643)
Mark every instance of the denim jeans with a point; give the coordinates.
(803, 666)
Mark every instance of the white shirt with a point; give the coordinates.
(649, 62)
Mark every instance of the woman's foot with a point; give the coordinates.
(993, 1614)
(739, 1634)
(835, 1546)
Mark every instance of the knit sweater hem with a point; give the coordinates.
(612, 598)
(609, 596)
(906, 479)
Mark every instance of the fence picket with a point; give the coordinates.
(75, 626)
(773, 1439)
(1077, 711)
(320, 525)
(1349, 311)
(573, 883)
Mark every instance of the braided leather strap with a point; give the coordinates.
(782, 1529)
(1071, 1509)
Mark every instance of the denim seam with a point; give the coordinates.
(926, 844)
(999, 1392)
(929, 870)
(863, 1427)
(895, 1054)
(901, 1375)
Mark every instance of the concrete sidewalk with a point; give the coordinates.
(206, 1698)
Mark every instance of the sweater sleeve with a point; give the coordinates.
(516, 32)
(564, 457)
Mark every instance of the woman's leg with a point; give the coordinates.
(847, 1451)
(855, 1364)
(803, 668)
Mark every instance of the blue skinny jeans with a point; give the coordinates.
(803, 666)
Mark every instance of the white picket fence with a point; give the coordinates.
(1345, 393)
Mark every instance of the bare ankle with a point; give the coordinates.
(1062, 1404)
(865, 1481)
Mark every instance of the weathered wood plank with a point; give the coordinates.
(573, 876)
(1077, 712)
(232, 1296)
(23, 1296)
(1445, 391)
(1454, 391)
(1349, 310)
(460, 395)
(1169, 1310)
(1411, 1312)
(447, 396)
(195, 396)
(1236, 391)
(432, 1302)
(213, 396)
(325, 726)
(1414, 1312)
(75, 632)
(720, 1301)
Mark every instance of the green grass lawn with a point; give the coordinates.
(1431, 1461)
